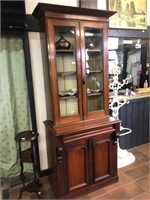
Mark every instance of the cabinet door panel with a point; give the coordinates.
(94, 66)
(77, 165)
(101, 158)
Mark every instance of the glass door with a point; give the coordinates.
(65, 68)
(93, 61)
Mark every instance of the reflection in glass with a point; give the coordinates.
(131, 56)
(134, 66)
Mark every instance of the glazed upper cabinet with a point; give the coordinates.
(77, 53)
(81, 136)
(78, 69)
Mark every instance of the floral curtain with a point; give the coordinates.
(14, 103)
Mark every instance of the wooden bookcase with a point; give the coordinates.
(81, 136)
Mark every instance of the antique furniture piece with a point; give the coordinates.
(81, 136)
(28, 156)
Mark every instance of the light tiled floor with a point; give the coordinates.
(134, 182)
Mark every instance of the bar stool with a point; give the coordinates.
(28, 156)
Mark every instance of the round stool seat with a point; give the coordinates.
(26, 136)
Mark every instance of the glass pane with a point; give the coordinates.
(95, 103)
(66, 70)
(93, 39)
(94, 68)
(68, 107)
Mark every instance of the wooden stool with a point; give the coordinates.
(28, 156)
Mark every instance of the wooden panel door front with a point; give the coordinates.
(77, 164)
(102, 149)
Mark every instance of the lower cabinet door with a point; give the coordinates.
(101, 158)
(90, 161)
(77, 164)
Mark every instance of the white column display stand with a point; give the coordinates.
(124, 157)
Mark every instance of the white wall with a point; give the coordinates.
(39, 95)
(37, 72)
(31, 4)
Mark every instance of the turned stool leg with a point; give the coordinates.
(22, 177)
